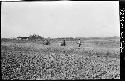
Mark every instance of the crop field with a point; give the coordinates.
(95, 59)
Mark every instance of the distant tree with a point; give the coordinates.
(34, 36)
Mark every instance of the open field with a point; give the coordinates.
(95, 59)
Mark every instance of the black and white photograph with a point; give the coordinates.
(60, 40)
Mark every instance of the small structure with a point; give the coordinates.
(22, 38)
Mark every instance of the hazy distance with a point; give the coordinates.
(60, 19)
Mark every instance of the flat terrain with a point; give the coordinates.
(95, 59)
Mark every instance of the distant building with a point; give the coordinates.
(22, 38)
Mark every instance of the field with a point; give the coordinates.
(95, 59)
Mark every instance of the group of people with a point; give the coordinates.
(63, 43)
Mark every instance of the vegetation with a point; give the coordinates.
(34, 61)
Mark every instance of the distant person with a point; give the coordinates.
(79, 42)
(46, 42)
(63, 43)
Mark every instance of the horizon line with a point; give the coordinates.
(68, 37)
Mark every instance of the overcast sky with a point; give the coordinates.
(60, 19)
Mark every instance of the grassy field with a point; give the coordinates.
(95, 59)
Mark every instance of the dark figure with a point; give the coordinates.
(79, 42)
(63, 43)
(46, 42)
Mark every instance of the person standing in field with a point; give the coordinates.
(46, 42)
(63, 43)
(79, 42)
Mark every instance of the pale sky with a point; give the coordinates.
(60, 19)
